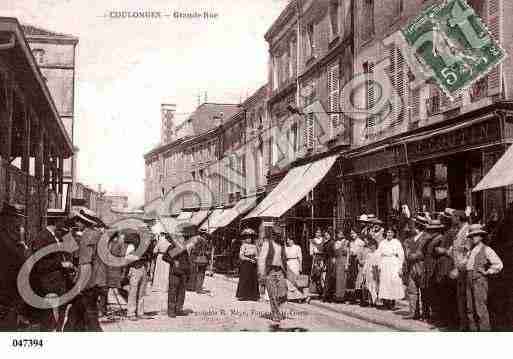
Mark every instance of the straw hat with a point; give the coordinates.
(476, 230)
(248, 232)
(82, 216)
(448, 213)
(434, 224)
(421, 220)
(369, 218)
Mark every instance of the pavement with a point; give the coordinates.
(217, 310)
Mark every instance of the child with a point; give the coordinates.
(370, 273)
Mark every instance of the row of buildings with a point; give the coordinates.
(430, 157)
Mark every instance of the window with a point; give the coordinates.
(368, 68)
(292, 59)
(309, 131)
(275, 72)
(333, 96)
(39, 55)
(367, 20)
(398, 74)
(334, 15)
(398, 8)
(310, 40)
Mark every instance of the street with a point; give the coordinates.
(219, 311)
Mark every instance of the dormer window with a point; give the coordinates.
(39, 55)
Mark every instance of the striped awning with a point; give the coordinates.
(293, 188)
(500, 175)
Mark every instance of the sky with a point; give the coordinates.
(127, 67)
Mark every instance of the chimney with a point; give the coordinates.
(167, 129)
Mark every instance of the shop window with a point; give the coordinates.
(367, 30)
(334, 16)
(310, 40)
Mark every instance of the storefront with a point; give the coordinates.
(431, 168)
(304, 200)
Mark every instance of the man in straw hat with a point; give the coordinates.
(177, 256)
(431, 302)
(89, 262)
(272, 267)
(458, 252)
(415, 271)
(481, 262)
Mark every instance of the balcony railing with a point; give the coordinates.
(478, 91)
(433, 105)
(19, 188)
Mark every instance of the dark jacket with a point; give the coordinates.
(444, 263)
(415, 255)
(180, 265)
(51, 262)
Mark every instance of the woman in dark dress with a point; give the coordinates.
(247, 289)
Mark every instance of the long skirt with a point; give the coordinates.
(161, 277)
(390, 283)
(293, 271)
(248, 289)
(352, 273)
(340, 278)
(317, 275)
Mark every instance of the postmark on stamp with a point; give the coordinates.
(454, 45)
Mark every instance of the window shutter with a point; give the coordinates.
(371, 120)
(333, 96)
(401, 84)
(308, 134)
(494, 24)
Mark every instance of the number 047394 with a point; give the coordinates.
(27, 343)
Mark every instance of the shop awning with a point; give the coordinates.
(167, 223)
(241, 208)
(184, 216)
(293, 188)
(212, 223)
(198, 217)
(500, 175)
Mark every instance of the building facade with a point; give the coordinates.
(34, 143)
(55, 55)
(436, 150)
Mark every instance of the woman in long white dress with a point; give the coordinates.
(294, 264)
(161, 276)
(391, 254)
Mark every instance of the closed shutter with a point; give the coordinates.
(371, 119)
(494, 12)
(333, 96)
(415, 105)
(308, 134)
(401, 85)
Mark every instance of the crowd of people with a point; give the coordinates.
(438, 262)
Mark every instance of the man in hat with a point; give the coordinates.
(90, 262)
(137, 274)
(414, 256)
(49, 274)
(459, 251)
(481, 262)
(272, 267)
(431, 302)
(445, 285)
(179, 270)
(13, 253)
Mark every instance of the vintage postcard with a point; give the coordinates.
(255, 166)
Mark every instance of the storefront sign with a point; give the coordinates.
(387, 158)
(478, 134)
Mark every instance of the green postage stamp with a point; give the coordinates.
(454, 45)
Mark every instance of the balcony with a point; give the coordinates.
(478, 91)
(433, 105)
(20, 189)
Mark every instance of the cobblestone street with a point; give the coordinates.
(220, 311)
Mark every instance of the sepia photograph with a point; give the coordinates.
(293, 166)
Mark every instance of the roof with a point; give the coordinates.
(202, 118)
(33, 32)
(282, 19)
(259, 96)
(31, 80)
